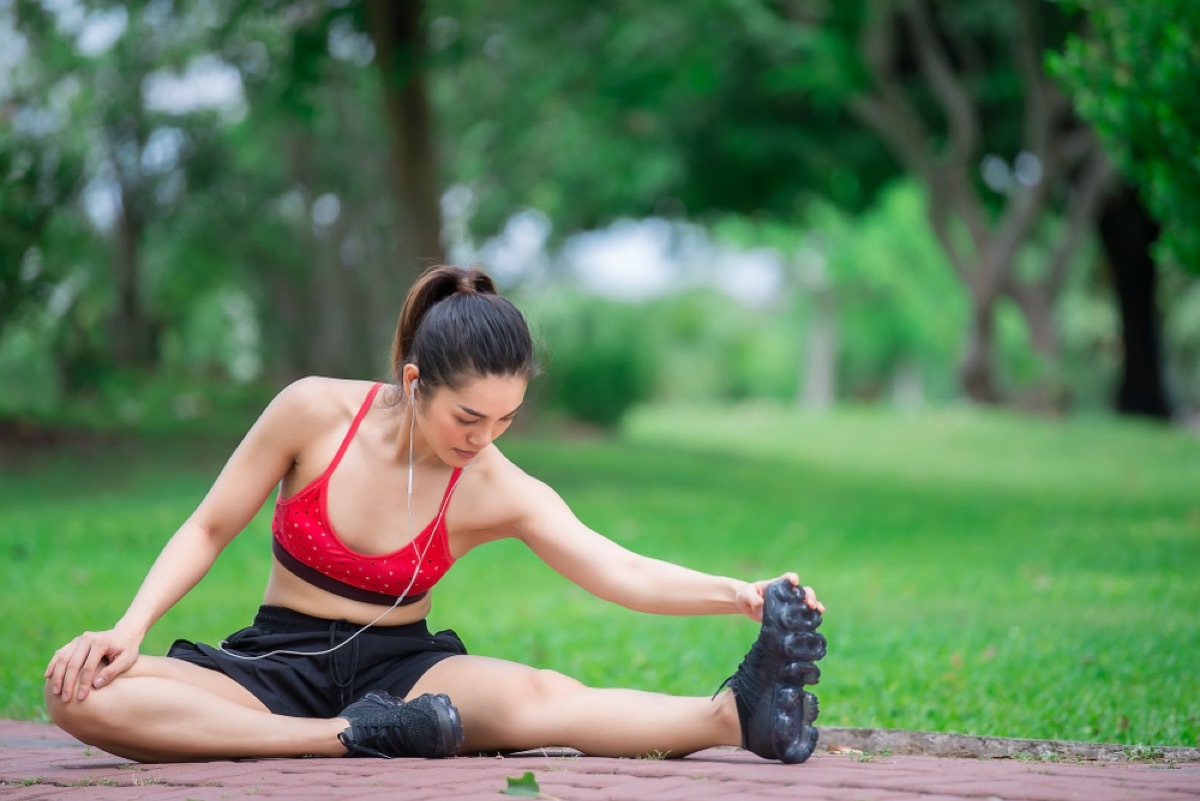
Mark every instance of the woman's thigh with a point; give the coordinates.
(214, 681)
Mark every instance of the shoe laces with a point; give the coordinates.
(408, 729)
(744, 682)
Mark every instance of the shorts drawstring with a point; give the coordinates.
(345, 684)
(304, 677)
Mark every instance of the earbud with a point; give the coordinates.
(412, 388)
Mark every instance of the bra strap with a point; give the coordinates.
(454, 476)
(358, 418)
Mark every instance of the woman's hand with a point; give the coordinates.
(91, 660)
(750, 596)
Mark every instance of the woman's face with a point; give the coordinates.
(459, 423)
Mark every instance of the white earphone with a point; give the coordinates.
(412, 535)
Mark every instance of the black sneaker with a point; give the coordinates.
(775, 710)
(383, 725)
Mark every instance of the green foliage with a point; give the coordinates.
(710, 346)
(692, 107)
(977, 568)
(1133, 76)
(28, 382)
(524, 786)
(34, 180)
(40, 169)
(1182, 332)
(218, 335)
(582, 110)
(897, 306)
(601, 356)
(898, 301)
(186, 209)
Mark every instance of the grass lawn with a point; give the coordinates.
(983, 573)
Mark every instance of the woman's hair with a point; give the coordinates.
(454, 327)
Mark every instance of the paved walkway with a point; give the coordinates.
(38, 761)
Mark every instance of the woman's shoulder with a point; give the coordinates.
(506, 482)
(493, 466)
(499, 499)
(319, 400)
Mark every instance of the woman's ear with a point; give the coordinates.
(409, 375)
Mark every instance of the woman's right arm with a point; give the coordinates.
(264, 456)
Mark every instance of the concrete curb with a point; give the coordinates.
(937, 744)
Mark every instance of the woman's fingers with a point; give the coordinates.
(810, 595)
(60, 667)
(88, 671)
(810, 598)
(71, 670)
(70, 659)
(118, 663)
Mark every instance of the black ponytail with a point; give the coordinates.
(455, 326)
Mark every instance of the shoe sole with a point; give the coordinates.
(450, 724)
(794, 641)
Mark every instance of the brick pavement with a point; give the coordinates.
(38, 761)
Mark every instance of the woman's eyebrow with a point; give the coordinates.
(474, 413)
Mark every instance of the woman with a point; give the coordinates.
(339, 660)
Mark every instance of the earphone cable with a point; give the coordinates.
(420, 560)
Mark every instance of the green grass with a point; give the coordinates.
(983, 573)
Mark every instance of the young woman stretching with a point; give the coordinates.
(358, 465)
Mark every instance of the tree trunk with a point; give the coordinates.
(134, 336)
(1128, 232)
(977, 370)
(819, 387)
(1037, 304)
(399, 39)
(292, 301)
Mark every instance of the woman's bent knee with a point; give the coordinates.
(548, 686)
(84, 719)
(66, 714)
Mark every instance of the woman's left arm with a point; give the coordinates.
(609, 571)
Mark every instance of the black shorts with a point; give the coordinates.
(390, 658)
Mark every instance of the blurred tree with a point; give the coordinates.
(872, 328)
(594, 111)
(1132, 74)
(291, 180)
(590, 111)
(331, 39)
(399, 33)
(39, 170)
(34, 181)
(601, 363)
(723, 105)
(945, 86)
(135, 152)
(1128, 233)
(308, 215)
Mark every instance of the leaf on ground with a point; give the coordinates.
(524, 787)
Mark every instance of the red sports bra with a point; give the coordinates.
(306, 544)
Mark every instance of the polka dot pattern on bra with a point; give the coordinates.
(302, 528)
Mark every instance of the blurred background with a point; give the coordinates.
(901, 294)
(797, 202)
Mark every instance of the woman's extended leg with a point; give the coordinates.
(508, 706)
(169, 710)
